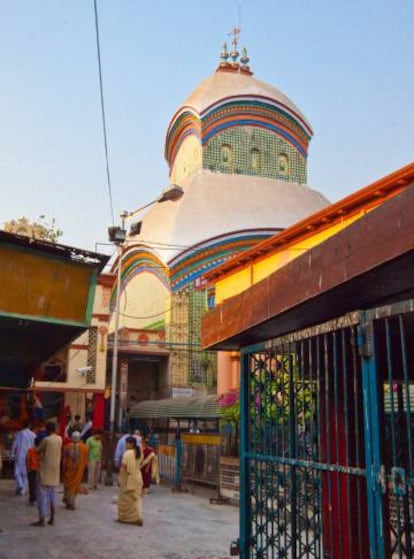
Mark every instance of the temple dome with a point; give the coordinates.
(233, 108)
(232, 84)
(238, 147)
(215, 204)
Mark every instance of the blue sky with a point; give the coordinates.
(347, 64)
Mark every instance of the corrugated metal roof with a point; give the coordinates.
(197, 407)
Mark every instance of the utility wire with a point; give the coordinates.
(108, 175)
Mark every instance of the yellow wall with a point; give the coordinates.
(188, 160)
(241, 280)
(144, 300)
(43, 287)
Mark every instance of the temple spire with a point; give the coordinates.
(234, 52)
(224, 53)
(235, 64)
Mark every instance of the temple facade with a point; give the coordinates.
(238, 147)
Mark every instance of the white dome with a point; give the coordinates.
(225, 85)
(215, 204)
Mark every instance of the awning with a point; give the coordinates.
(365, 265)
(47, 303)
(197, 407)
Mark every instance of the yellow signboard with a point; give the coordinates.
(198, 438)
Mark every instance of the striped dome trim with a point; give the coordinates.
(270, 112)
(258, 123)
(186, 123)
(256, 114)
(195, 264)
(260, 100)
(137, 261)
(254, 111)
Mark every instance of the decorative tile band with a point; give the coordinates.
(241, 111)
(189, 268)
(274, 157)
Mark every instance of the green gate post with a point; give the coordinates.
(366, 345)
(244, 515)
(178, 465)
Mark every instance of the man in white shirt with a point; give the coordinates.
(121, 445)
(23, 440)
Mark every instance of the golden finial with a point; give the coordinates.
(234, 65)
(234, 52)
(224, 54)
(244, 58)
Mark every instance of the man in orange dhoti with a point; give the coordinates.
(75, 457)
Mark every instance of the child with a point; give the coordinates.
(32, 463)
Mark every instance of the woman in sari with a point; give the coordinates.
(148, 466)
(75, 457)
(130, 485)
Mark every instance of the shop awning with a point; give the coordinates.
(197, 407)
(46, 301)
(367, 264)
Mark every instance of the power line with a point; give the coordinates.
(108, 176)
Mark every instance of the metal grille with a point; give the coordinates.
(92, 352)
(327, 456)
(177, 337)
(394, 357)
(304, 450)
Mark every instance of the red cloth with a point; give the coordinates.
(146, 469)
(32, 459)
(98, 419)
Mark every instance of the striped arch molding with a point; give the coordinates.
(136, 261)
(255, 111)
(189, 265)
(192, 264)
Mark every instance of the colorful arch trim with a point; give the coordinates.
(255, 111)
(186, 123)
(137, 261)
(190, 266)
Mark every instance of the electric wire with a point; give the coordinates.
(108, 175)
(148, 316)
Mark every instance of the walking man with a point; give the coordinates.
(121, 445)
(49, 451)
(23, 440)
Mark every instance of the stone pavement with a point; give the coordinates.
(176, 526)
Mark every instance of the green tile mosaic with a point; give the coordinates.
(247, 150)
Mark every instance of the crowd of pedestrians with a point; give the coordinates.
(42, 459)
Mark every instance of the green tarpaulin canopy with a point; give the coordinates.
(198, 407)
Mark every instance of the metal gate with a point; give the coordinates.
(327, 458)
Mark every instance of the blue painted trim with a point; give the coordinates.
(262, 103)
(245, 512)
(238, 106)
(366, 341)
(245, 516)
(189, 279)
(179, 457)
(228, 240)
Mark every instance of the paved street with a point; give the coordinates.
(176, 526)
